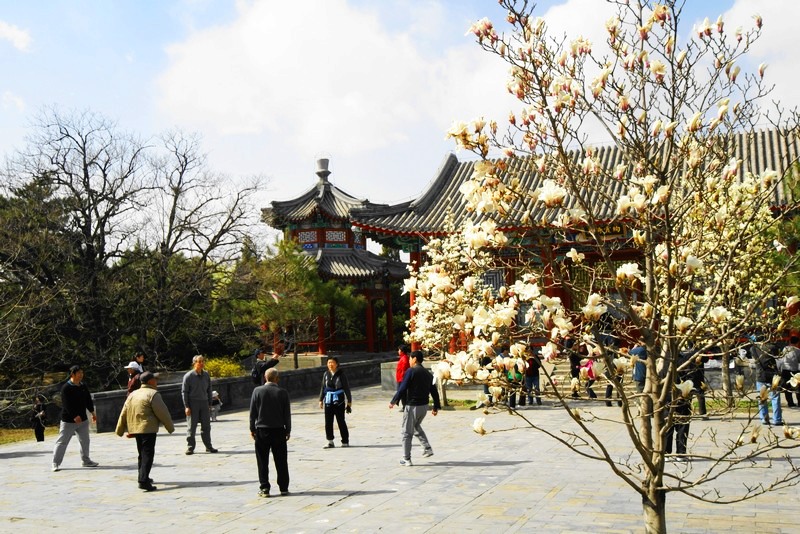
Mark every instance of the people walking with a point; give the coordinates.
(133, 377)
(76, 402)
(766, 370)
(143, 412)
(532, 375)
(270, 428)
(419, 384)
(335, 398)
(196, 393)
(400, 371)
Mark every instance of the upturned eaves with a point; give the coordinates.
(427, 214)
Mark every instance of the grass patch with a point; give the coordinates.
(460, 403)
(14, 435)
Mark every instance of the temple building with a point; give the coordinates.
(319, 220)
(333, 225)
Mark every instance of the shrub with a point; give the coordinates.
(224, 367)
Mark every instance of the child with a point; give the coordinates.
(216, 405)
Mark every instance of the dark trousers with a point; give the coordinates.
(681, 432)
(38, 430)
(274, 440)
(609, 390)
(337, 411)
(200, 414)
(589, 390)
(146, 445)
(680, 427)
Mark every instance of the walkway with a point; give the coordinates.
(505, 481)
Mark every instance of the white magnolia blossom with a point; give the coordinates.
(575, 256)
(551, 193)
(594, 308)
(693, 264)
(685, 388)
(477, 425)
(719, 314)
(629, 272)
(683, 323)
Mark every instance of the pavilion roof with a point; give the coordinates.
(348, 263)
(426, 215)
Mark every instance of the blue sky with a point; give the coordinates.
(272, 85)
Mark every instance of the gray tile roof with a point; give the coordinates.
(324, 198)
(348, 263)
(426, 214)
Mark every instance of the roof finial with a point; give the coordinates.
(322, 169)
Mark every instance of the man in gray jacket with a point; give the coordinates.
(196, 393)
(141, 415)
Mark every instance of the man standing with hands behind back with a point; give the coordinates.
(141, 415)
(196, 393)
(270, 427)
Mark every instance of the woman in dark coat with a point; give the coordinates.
(336, 399)
(39, 417)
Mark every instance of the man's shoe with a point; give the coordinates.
(56, 467)
(264, 494)
(147, 487)
(427, 453)
(406, 462)
(330, 445)
(285, 493)
(189, 451)
(345, 444)
(212, 450)
(90, 464)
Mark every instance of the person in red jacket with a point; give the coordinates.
(403, 365)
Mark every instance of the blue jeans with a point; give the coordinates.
(532, 386)
(775, 399)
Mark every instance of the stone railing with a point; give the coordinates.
(236, 392)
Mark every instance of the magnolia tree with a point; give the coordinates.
(692, 265)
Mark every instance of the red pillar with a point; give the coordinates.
(389, 323)
(370, 326)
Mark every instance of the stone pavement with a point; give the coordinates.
(511, 480)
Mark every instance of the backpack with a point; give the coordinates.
(255, 374)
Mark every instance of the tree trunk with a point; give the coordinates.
(725, 377)
(654, 504)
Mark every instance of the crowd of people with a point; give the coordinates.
(144, 411)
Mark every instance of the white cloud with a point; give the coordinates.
(323, 76)
(12, 101)
(777, 45)
(19, 38)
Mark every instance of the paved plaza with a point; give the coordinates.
(510, 480)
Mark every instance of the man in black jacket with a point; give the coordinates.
(418, 382)
(270, 427)
(76, 401)
(262, 364)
